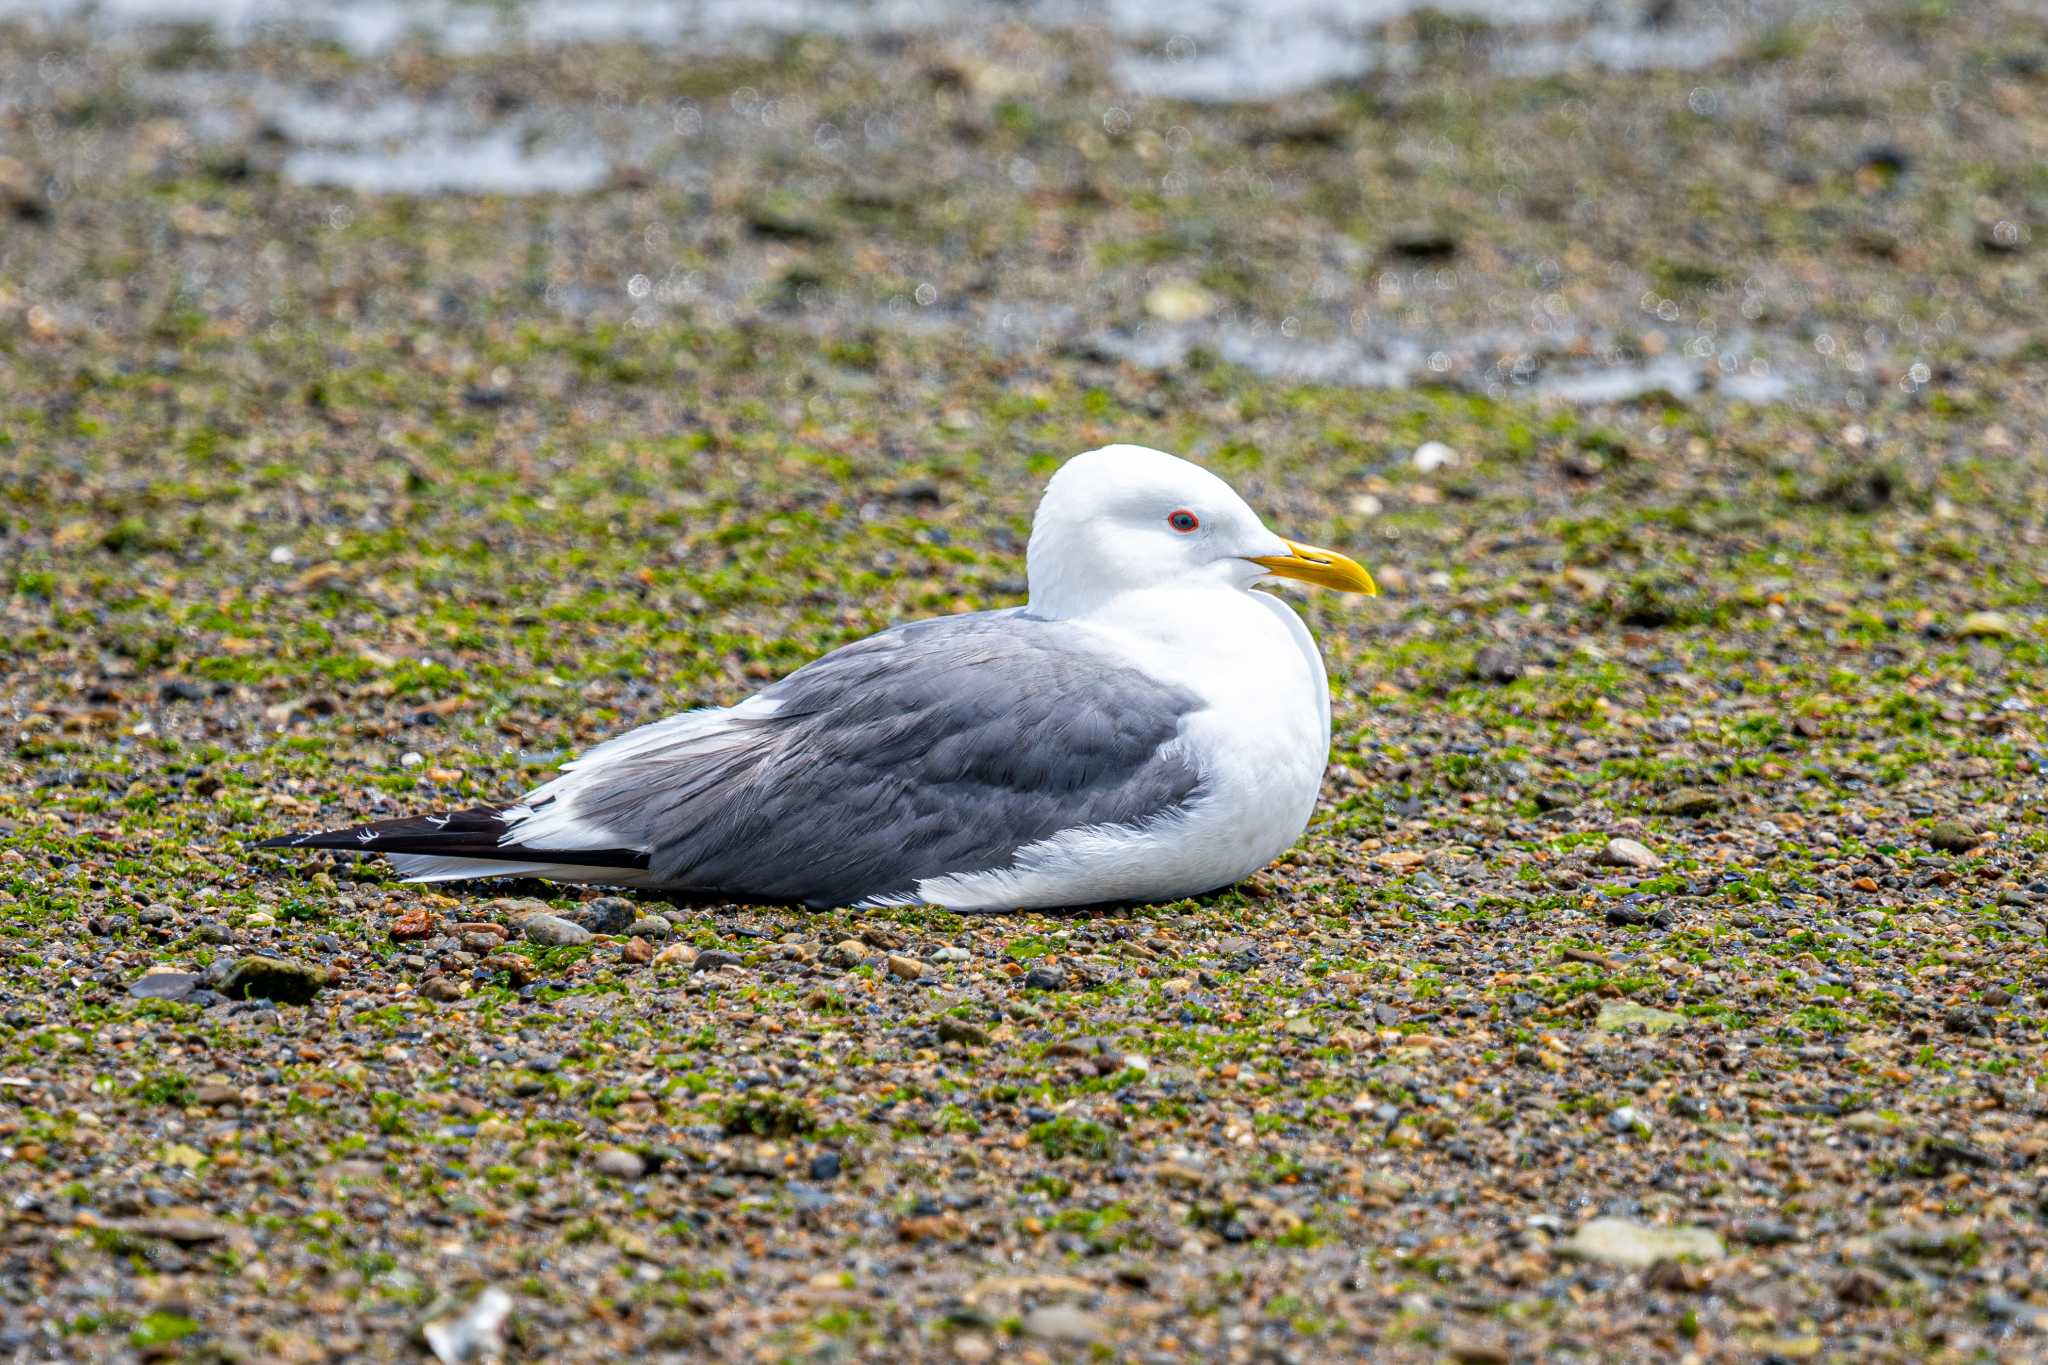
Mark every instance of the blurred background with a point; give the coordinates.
(1587, 200)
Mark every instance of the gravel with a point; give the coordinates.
(1446, 1079)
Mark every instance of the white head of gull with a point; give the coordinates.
(1145, 728)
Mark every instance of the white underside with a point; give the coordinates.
(1261, 743)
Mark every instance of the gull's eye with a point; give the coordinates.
(1180, 519)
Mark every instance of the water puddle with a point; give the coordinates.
(497, 162)
(1199, 50)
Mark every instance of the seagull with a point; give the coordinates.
(1145, 728)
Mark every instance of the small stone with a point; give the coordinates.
(441, 988)
(183, 1231)
(907, 968)
(1179, 301)
(1045, 978)
(1953, 836)
(474, 1333)
(638, 951)
(1628, 853)
(1556, 798)
(850, 952)
(825, 1166)
(949, 953)
(1617, 1016)
(953, 1029)
(165, 985)
(1471, 1350)
(619, 1164)
(553, 931)
(1765, 1232)
(1431, 456)
(675, 955)
(1063, 1323)
(716, 958)
(1497, 664)
(650, 926)
(273, 978)
(518, 966)
(413, 925)
(1986, 625)
(1690, 801)
(605, 915)
(1627, 1122)
(1637, 1246)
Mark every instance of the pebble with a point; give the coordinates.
(650, 926)
(1044, 978)
(1618, 1015)
(825, 1166)
(850, 952)
(1431, 456)
(675, 955)
(716, 958)
(956, 1030)
(1690, 801)
(1765, 1232)
(258, 977)
(1063, 1323)
(907, 968)
(1628, 853)
(1953, 836)
(949, 953)
(441, 988)
(163, 985)
(553, 931)
(619, 1164)
(1497, 664)
(1628, 1122)
(413, 925)
(1985, 625)
(1637, 1246)
(605, 915)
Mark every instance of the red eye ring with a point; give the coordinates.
(1182, 520)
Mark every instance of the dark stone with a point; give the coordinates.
(605, 915)
(1953, 836)
(825, 1166)
(1045, 978)
(273, 978)
(165, 986)
(1497, 664)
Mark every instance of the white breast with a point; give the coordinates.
(1261, 743)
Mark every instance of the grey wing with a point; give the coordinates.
(936, 748)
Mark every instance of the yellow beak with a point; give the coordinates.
(1313, 564)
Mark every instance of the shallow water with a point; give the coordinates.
(1204, 50)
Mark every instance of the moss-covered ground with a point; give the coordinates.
(317, 505)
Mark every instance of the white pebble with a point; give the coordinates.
(1431, 456)
(411, 760)
(281, 554)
